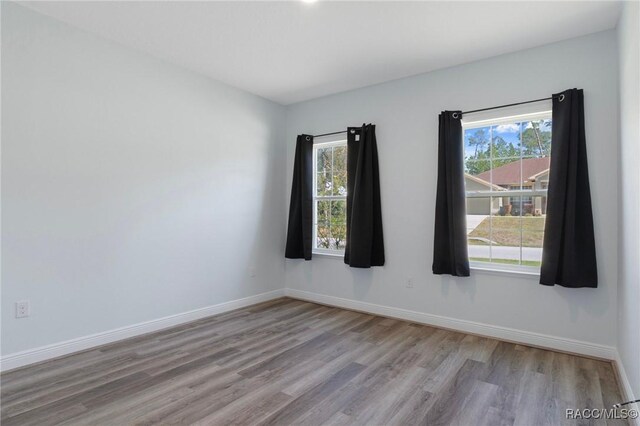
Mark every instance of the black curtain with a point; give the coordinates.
(450, 241)
(300, 229)
(569, 251)
(365, 244)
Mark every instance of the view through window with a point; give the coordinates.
(330, 197)
(506, 178)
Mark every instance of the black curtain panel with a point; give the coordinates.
(450, 242)
(365, 244)
(300, 229)
(569, 250)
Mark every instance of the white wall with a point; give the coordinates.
(406, 114)
(131, 189)
(629, 232)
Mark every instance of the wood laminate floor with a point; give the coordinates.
(292, 362)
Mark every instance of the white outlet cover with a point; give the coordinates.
(22, 309)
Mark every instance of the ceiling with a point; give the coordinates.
(293, 51)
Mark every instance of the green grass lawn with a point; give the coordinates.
(508, 261)
(505, 230)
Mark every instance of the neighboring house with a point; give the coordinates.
(528, 173)
(483, 206)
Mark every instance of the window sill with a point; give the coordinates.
(509, 272)
(338, 256)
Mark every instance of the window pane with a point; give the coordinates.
(323, 160)
(340, 159)
(533, 232)
(323, 235)
(507, 234)
(323, 228)
(505, 237)
(338, 224)
(323, 211)
(498, 237)
(479, 228)
(478, 168)
(476, 144)
(507, 173)
(505, 141)
(331, 224)
(536, 138)
(323, 184)
(339, 184)
(506, 225)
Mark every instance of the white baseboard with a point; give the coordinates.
(627, 391)
(501, 333)
(43, 353)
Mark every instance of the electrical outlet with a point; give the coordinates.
(252, 272)
(409, 282)
(23, 309)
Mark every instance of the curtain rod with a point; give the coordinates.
(455, 114)
(332, 133)
(329, 134)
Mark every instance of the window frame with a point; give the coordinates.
(493, 118)
(320, 143)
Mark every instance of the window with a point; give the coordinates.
(330, 197)
(506, 177)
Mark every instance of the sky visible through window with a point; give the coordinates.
(509, 132)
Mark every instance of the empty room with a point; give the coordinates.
(320, 213)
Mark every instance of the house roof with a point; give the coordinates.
(510, 172)
(484, 182)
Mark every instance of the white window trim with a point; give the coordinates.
(507, 193)
(502, 119)
(319, 143)
(335, 254)
(540, 111)
(505, 269)
(506, 114)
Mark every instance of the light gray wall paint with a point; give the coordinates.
(131, 189)
(406, 114)
(629, 231)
